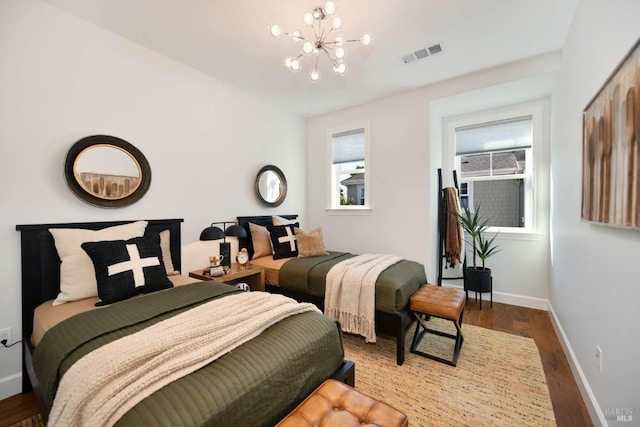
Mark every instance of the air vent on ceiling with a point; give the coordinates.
(422, 53)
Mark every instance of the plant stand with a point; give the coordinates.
(475, 283)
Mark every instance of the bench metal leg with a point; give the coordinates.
(422, 329)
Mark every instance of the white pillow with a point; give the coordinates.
(278, 220)
(77, 276)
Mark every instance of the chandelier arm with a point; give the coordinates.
(323, 36)
(344, 41)
(317, 32)
(294, 37)
(332, 58)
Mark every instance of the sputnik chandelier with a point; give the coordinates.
(322, 22)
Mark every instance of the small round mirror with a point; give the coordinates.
(271, 185)
(107, 171)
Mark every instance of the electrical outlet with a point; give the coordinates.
(5, 334)
(599, 358)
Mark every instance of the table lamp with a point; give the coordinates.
(215, 233)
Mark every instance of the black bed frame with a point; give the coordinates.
(41, 282)
(395, 325)
(41, 271)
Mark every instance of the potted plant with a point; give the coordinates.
(478, 278)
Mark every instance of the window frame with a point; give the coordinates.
(538, 110)
(527, 178)
(333, 183)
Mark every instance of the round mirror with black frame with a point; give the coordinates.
(107, 171)
(271, 185)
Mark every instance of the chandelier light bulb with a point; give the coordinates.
(308, 18)
(340, 68)
(275, 30)
(307, 47)
(295, 65)
(365, 40)
(336, 22)
(329, 8)
(296, 36)
(314, 75)
(339, 52)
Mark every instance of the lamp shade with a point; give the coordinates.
(212, 233)
(235, 231)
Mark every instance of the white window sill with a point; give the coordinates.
(509, 233)
(348, 211)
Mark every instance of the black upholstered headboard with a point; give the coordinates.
(263, 220)
(41, 263)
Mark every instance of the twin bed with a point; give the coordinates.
(304, 280)
(256, 383)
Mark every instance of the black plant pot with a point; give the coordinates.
(477, 279)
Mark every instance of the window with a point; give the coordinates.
(348, 169)
(494, 160)
(466, 199)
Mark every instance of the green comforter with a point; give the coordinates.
(394, 286)
(254, 385)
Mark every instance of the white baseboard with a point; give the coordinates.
(583, 385)
(597, 417)
(10, 386)
(505, 298)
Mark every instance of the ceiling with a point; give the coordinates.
(230, 41)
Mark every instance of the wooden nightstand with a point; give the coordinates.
(253, 275)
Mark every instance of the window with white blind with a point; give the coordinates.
(349, 180)
(495, 163)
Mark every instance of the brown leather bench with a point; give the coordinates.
(336, 404)
(445, 303)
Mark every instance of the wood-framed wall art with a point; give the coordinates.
(611, 148)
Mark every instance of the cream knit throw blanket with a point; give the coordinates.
(129, 369)
(350, 293)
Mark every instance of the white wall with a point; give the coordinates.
(62, 79)
(595, 287)
(406, 148)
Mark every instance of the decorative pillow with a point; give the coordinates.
(278, 220)
(125, 268)
(77, 277)
(283, 240)
(311, 243)
(165, 246)
(260, 239)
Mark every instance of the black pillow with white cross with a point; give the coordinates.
(125, 268)
(283, 240)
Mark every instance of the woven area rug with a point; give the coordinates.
(499, 380)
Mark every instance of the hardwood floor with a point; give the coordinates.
(17, 408)
(568, 406)
(567, 402)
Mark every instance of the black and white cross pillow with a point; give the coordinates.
(283, 240)
(125, 268)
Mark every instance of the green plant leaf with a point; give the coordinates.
(475, 226)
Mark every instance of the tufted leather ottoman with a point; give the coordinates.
(445, 303)
(336, 404)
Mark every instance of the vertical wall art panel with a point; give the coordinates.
(611, 148)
